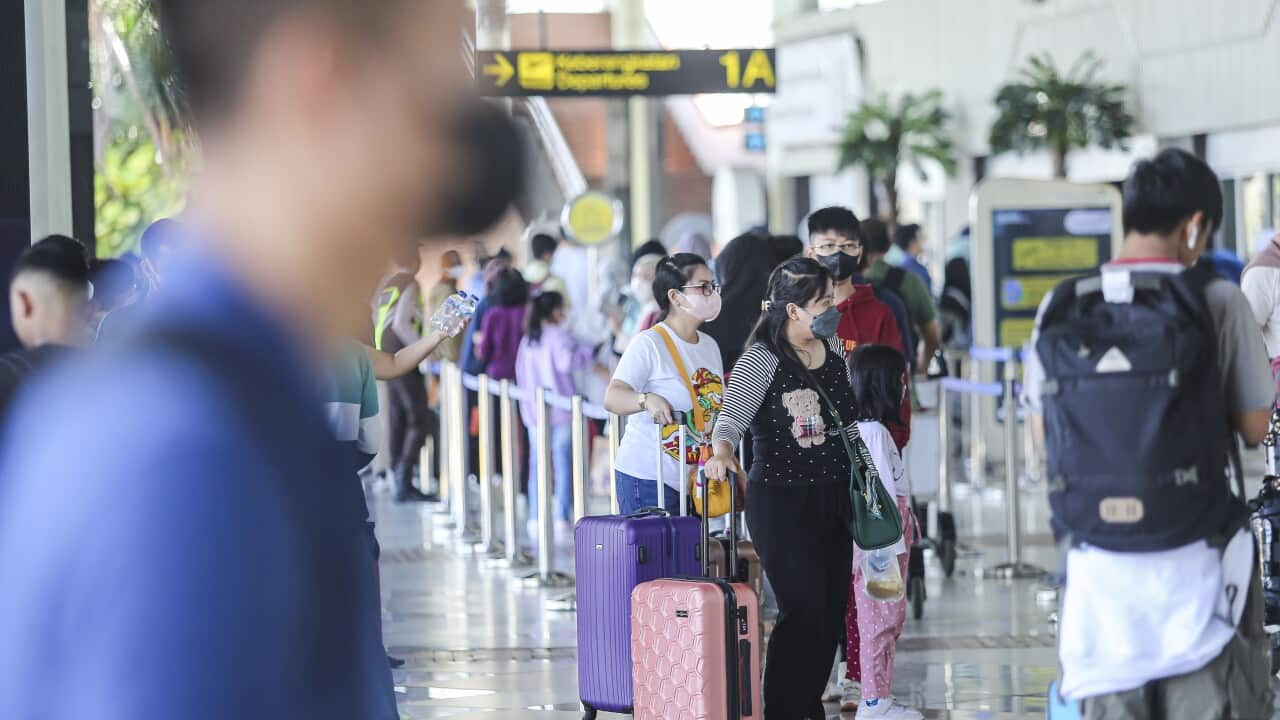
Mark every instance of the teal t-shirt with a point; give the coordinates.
(351, 403)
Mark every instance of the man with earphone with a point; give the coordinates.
(1145, 374)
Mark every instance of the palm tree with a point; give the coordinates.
(882, 136)
(1044, 108)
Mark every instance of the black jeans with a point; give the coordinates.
(802, 535)
(409, 422)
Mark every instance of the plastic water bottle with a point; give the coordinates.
(454, 313)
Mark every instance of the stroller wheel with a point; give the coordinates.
(915, 591)
(947, 556)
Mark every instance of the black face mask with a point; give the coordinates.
(841, 265)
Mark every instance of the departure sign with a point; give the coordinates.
(621, 73)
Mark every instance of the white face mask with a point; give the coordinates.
(642, 290)
(704, 308)
(457, 272)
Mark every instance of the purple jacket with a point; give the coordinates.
(501, 330)
(549, 363)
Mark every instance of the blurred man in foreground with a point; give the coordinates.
(210, 558)
(49, 304)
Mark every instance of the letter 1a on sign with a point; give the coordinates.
(759, 70)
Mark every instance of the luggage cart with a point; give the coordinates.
(937, 524)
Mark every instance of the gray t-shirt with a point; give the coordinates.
(1110, 642)
(1246, 372)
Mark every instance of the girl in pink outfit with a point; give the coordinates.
(878, 373)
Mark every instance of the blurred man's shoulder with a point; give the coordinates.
(116, 404)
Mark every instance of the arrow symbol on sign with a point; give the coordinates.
(501, 69)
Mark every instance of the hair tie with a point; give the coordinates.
(765, 305)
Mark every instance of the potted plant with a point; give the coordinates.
(1045, 108)
(882, 135)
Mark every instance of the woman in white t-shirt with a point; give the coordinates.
(649, 384)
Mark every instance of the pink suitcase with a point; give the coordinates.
(695, 645)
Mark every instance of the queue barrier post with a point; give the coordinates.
(977, 448)
(581, 450)
(507, 431)
(545, 487)
(486, 470)
(1014, 569)
(615, 439)
(944, 448)
(461, 511)
(447, 440)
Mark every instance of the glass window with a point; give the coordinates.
(1227, 236)
(1275, 201)
(1254, 212)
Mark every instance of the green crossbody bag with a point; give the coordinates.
(875, 522)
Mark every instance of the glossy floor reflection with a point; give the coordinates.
(481, 643)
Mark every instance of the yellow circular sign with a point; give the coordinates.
(592, 218)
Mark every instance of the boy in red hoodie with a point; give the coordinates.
(866, 318)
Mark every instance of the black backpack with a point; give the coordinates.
(892, 283)
(1136, 428)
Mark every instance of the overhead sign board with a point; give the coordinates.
(622, 73)
(592, 218)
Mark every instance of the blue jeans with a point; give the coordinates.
(561, 471)
(635, 494)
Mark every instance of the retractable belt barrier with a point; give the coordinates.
(498, 435)
(1008, 391)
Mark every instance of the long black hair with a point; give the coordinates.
(541, 308)
(510, 288)
(797, 281)
(673, 273)
(877, 373)
(743, 268)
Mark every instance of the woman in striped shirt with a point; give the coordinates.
(798, 507)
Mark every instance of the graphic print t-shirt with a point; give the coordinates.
(647, 366)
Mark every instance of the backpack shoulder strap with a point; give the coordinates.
(1064, 296)
(894, 278)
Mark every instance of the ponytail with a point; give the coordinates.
(673, 273)
(540, 310)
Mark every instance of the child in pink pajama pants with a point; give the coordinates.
(878, 376)
(874, 626)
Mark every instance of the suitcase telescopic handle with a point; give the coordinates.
(678, 417)
(731, 562)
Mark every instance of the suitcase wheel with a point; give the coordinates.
(915, 591)
(588, 712)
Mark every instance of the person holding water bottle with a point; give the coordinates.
(667, 369)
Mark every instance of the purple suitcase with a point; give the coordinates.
(612, 555)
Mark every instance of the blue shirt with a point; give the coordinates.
(468, 360)
(166, 551)
(912, 265)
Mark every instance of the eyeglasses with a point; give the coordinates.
(844, 247)
(707, 288)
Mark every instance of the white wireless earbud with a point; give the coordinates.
(1192, 238)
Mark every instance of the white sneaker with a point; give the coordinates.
(832, 693)
(835, 685)
(886, 709)
(852, 696)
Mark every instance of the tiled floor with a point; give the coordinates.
(481, 643)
